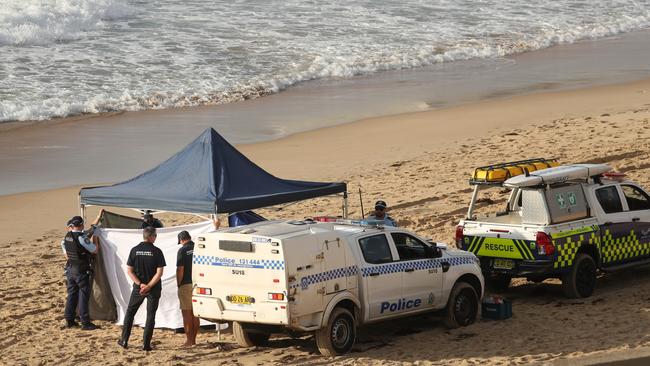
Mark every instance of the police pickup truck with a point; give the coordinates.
(566, 222)
(327, 278)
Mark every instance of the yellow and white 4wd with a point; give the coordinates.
(328, 278)
(566, 222)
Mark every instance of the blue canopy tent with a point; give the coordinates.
(208, 176)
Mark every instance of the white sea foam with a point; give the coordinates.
(41, 22)
(67, 57)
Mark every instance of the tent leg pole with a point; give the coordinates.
(345, 205)
(82, 211)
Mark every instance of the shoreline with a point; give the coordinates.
(555, 50)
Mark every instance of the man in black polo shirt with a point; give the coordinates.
(145, 267)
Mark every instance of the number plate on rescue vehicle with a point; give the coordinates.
(240, 299)
(499, 263)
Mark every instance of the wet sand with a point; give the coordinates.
(419, 163)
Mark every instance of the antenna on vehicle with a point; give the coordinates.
(361, 201)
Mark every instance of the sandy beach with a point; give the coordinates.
(419, 163)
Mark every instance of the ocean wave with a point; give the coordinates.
(135, 56)
(40, 22)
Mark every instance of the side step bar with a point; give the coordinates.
(626, 265)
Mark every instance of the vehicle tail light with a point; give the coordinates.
(203, 291)
(459, 236)
(544, 244)
(276, 296)
(325, 218)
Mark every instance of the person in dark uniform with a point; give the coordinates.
(78, 251)
(149, 220)
(184, 281)
(145, 267)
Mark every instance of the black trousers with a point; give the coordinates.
(134, 304)
(78, 294)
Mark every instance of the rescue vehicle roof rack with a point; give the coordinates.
(496, 174)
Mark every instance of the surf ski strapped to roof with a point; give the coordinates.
(496, 174)
(557, 175)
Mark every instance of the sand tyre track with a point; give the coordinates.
(248, 338)
(581, 280)
(338, 336)
(462, 306)
(497, 282)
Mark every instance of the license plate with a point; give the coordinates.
(241, 299)
(503, 263)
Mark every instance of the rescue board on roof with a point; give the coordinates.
(498, 173)
(557, 175)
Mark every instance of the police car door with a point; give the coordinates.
(615, 226)
(638, 207)
(382, 283)
(423, 276)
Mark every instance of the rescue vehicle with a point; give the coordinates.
(567, 222)
(328, 278)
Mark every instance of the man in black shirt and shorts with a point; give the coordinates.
(184, 281)
(145, 267)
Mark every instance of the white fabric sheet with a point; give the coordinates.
(116, 245)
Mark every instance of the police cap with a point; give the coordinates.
(183, 235)
(76, 221)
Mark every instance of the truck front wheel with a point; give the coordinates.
(338, 336)
(247, 338)
(462, 306)
(581, 280)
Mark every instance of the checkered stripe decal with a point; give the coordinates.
(272, 264)
(381, 269)
(566, 252)
(229, 262)
(416, 265)
(326, 276)
(614, 250)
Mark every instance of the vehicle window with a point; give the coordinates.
(409, 247)
(636, 198)
(376, 249)
(609, 199)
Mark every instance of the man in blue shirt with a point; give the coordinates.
(380, 214)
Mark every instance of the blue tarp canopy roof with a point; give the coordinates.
(208, 172)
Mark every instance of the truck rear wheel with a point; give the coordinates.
(338, 336)
(462, 306)
(247, 338)
(581, 280)
(498, 282)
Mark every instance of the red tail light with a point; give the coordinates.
(459, 236)
(544, 244)
(276, 296)
(203, 291)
